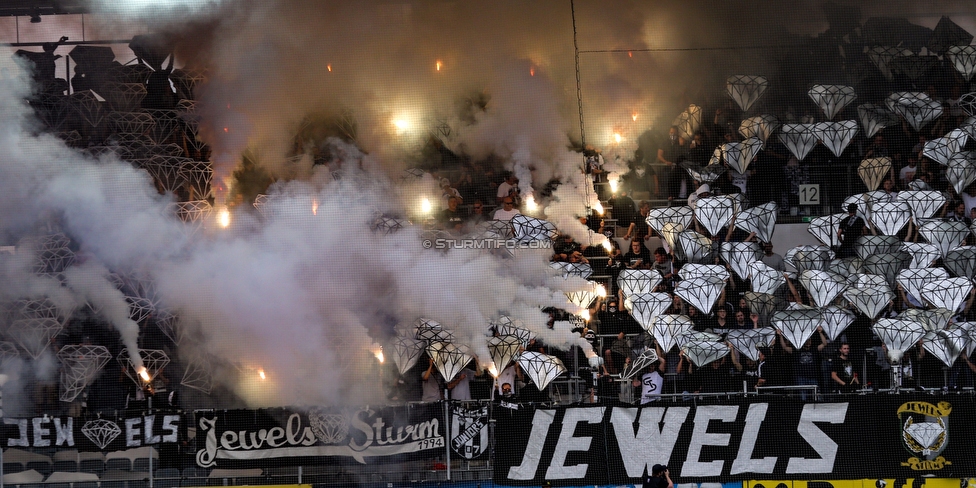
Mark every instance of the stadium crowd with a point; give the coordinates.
(661, 172)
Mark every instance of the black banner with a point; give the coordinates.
(877, 436)
(469, 430)
(93, 433)
(240, 438)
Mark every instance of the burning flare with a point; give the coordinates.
(144, 374)
(493, 370)
(614, 183)
(438, 65)
(262, 375)
(223, 217)
(598, 208)
(425, 205)
(315, 206)
(530, 204)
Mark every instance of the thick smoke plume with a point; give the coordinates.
(307, 296)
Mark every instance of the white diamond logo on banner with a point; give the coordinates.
(701, 293)
(870, 301)
(831, 98)
(800, 139)
(949, 293)
(913, 279)
(823, 286)
(101, 432)
(836, 135)
(746, 89)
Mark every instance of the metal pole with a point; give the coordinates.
(447, 437)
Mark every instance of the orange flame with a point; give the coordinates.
(330, 67)
(438, 65)
(531, 71)
(315, 206)
(630, 54)
(634, 116)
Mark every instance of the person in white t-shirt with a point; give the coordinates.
(508, 188)
(507, 211)
(506, 377)
(460, 387)
(651, 382)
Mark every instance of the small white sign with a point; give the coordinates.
(809, 194)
